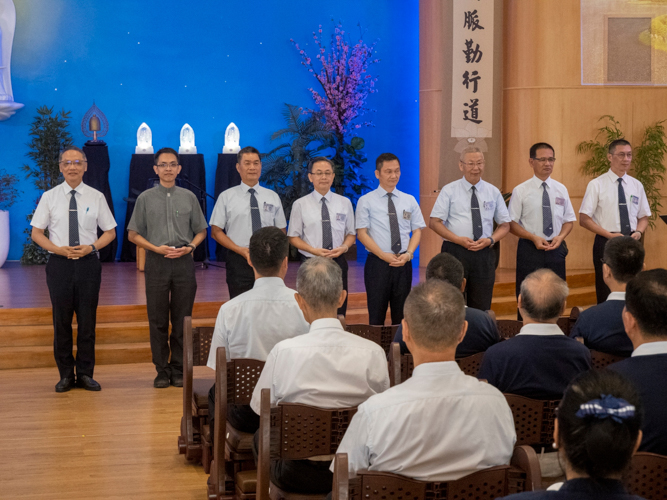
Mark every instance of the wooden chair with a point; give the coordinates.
(381, 335)
(523, 474)
(601, 360)
(564, 324)
(508, 328)
(293, 431)
(575, 312)
(235, 382)
(196, 347)
(492, 313)
(647, 476)
(533, 420)
(470, 364)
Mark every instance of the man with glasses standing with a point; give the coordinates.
(463, 215)
(72, 211)
(322, 223)
(542, 217)
(615, 204)
(168, 223)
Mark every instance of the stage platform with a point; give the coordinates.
(26, 331)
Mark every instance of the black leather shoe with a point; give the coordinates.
(87, 383)
(177, 380)
(161, 381)
(65, 384)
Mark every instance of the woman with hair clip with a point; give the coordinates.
(597, 432)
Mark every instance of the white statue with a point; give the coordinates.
(232, 138)
(187, 141)
(144, 140)
(7, 26)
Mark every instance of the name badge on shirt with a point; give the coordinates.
(489, 205)
(634, 199)
(560, 201)
(340, 217)
(268, 207)
(407, 215)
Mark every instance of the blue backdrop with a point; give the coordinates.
(207, 63)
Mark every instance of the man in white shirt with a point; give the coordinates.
(250, 325)
(439, 425)
(72, 211)
(322, 222)
(389, 224)
(328, 367)
(239, 212)
(542, 217)
(463, 215)
(615, 204)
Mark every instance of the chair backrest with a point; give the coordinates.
(381, 335)
(601, 360)
(492, 313)
(470, 364)
(564, 324)
(575, 312)
(401, 366)
(647, 476)
(508, 328)
(533, 419)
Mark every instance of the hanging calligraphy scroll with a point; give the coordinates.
(472, 68)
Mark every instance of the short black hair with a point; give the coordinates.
(247, 150)
(385, 157)
(162, 151)
(598, 447)
(268, 248)
(71, 148)
(625, 257)
(646, 300)
(445, 267)
(540, 145)
(617, 142)
(318, 159)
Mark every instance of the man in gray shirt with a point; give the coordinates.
(168, 223)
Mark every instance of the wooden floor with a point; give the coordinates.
(118, 443)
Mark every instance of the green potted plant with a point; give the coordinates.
(8, 195)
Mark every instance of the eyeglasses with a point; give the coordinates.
(168, 165)
(322, 174)
(73, 163)
(546, 160)
(623, 155)
(476, 164)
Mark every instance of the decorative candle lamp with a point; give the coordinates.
(187, 141)
(97, 126)
(144, 140)
(232, 138)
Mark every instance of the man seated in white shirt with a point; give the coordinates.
(439, 425)
(249, 325)
(328, 367)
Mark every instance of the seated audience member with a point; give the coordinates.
(328, 367)
(482, 330)
(601, 327)
(540, 361)
(440, 424)
(597, 432)
(250, 324)
(645, 319)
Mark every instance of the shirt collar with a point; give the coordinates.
(79, 189)
(468, 186)
(318, 196)
(326, 323)
(246, 187)
(614, 178)
(538, 182)
(269, 281)
(649, 348)
(163, 189)
(437, 368)
(382, 192)
(616, 296)
(541, 329)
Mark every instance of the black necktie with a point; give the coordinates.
(623, 210)
(476, 216)
(73, 221)
(547, 223)
(254, 212)
(393, 226)
(327, 238)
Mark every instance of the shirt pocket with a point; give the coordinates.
(268, 213)
(89, 219)
(633, 205)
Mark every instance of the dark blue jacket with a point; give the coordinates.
(602, 328)
(580, 489)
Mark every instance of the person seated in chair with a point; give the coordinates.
(440, 424)
(596, 433)
(482, 329)
(540, 361)
(328, 368)
(645, 319)
(250, 324)
(601, 327)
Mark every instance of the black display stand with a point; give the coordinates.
(97, 176)
(226, 176)
(143, 176)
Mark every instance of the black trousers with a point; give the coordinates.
(479, 270)
(529, 259)
(74, 287)
(342, 263)
(601, 289)
(170, 293)
(242, 417)
(298, 476)
(240, 275)
(386, 285)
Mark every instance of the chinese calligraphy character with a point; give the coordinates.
(467, 80)
(472, 55)
(472, 21)
(474, 112)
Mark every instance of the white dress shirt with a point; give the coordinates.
(439, 425)
(250, 324)
(53, 213)
(526, 206)
(616, 296)
(232, 212)
(306, 219)
(372, 214)
(453, 207)
(649, 348)
(600, 202)
(328, 367)
(541, 329)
